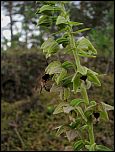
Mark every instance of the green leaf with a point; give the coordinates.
(78, 145)
(47, 43)
(89, 110)
(104, 115)
(54, 67)
(67, 50)
(103, 112)
(68, 64)
(93, 78)
(61, 129)
(107, 107)
(80, 31)
(66, 93)
(75, 23)
(86, 53)
(61, 20)
(46, 8)
(102, 148)
(67, 81)
(91, 71)
(85, 44)
(84, 127)
(76, 81)
(59, 108)
(76, 102)
(50, 46)
(79, 109)
(59, 31)
(61, 40)
(63, 73)
(44, 21)
(82, 70)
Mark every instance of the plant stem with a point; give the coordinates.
(91, 134)
(83, 89)
(73, 45)
(84, 94)
(72, 41)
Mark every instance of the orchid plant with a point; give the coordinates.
(80, 111)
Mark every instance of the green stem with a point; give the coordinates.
(91, 134)
(90, 123)
(83, 89)
(74, 49)
(72, 41)
(84, 94)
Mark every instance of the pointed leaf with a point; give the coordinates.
(61, 20)
(79, 109)
(66, 93)
(61, 40)
(76, 81)
(46, 8)
(93, 78)
(86, 53)
(59, 108)
(76, 102)
(103, 112)
(78, 145)
(82, 30)
(68, 64)
(63, 73)
(102, 148)
(44, 21)
(54, 67)
(85, 44)
(47, 43)
(82, 70)
(67, 81)
(107, 106)
(75, 23)
(61, 129)
(84, 127)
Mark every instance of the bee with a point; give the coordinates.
(44, 82)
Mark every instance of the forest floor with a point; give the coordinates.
(31, 126)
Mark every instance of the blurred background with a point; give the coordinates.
(27, 119)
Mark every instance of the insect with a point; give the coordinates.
(44, 82)
(45, 79)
